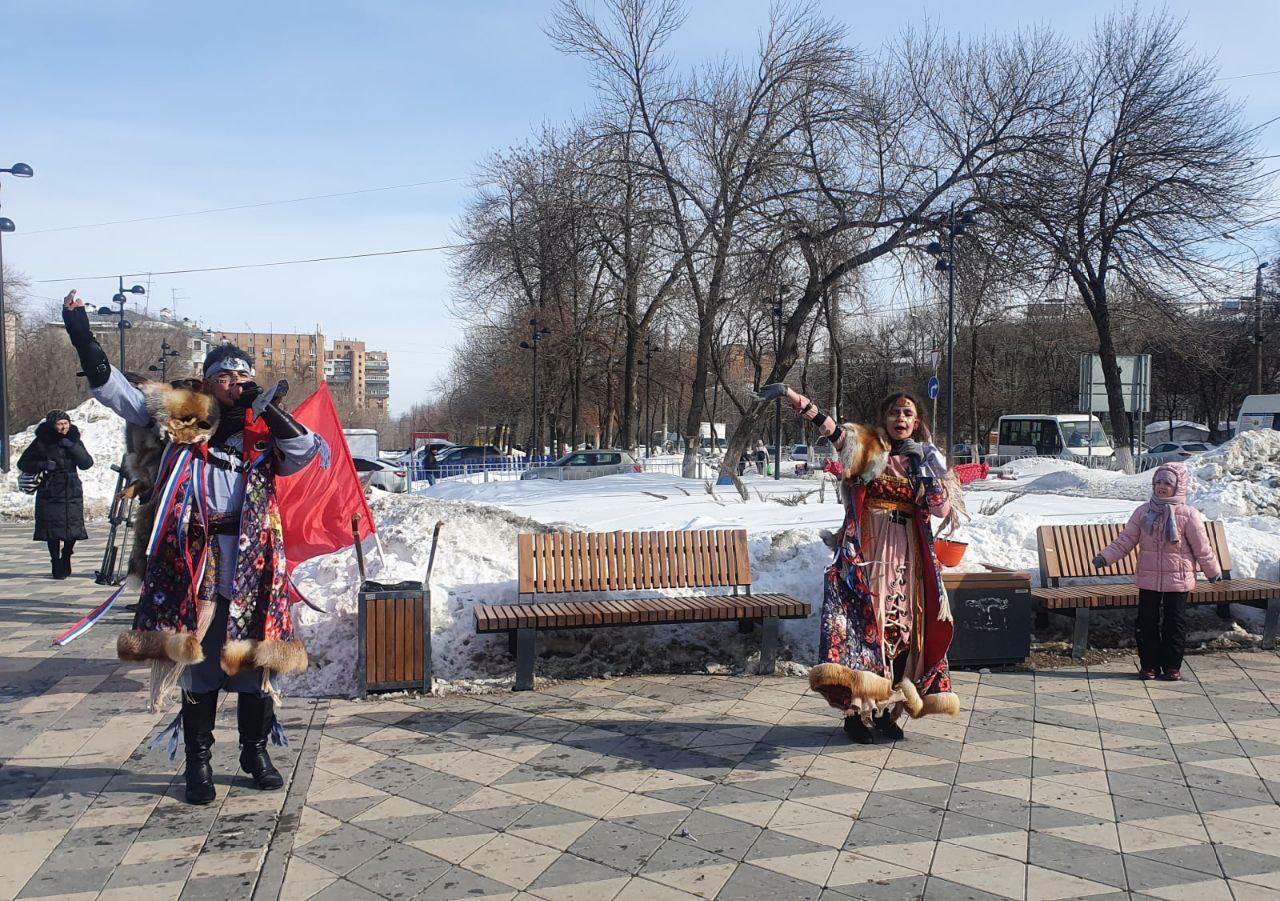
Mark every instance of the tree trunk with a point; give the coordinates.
(697, 402)
(1120, 432)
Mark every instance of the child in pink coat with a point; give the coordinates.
(1171, 540)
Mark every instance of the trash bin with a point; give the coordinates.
(393, 632)
(992, 613)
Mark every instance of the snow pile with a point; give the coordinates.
(1241, 478)
(476, 564)
(1031, 467)
(1100, 483)
(102, 432)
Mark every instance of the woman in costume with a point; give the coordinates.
(214, 608)
(886, 621)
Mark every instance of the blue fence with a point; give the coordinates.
(498, 469)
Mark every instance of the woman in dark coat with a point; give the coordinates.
(58, 452)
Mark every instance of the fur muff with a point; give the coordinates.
(183, 414)
(865, 453)
(179, 647)
(911, 698)
(277, 656)
(943, 702)
(841, 685)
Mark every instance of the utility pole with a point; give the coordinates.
(1257, 329)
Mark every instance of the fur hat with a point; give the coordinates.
(55, 415)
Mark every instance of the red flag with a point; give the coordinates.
(316, 504)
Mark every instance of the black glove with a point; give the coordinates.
(93, 359)
(1217, 578)
(772, 392)
(262, 401)
(67, 443)
(50, 466)
(1099, 562)
(911, 449)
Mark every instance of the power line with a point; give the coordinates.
(350, 256)
(1247, 75)
(244, 206)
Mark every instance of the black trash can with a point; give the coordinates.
(992, 612)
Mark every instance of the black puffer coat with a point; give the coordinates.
(60, 499)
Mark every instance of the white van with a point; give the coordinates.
(1259, 411)
(1071, 436)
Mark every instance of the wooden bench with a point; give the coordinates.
(575, 563)
(1067, 552)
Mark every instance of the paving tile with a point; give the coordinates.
(344, 849)
(751, 883)
(398, 872)
(615, 845)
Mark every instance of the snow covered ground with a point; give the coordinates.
(476, 563)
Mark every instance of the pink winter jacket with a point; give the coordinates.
(1162, 565)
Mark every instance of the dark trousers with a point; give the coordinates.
(58, 548)
(1161, 644)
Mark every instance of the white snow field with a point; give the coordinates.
(476, 562)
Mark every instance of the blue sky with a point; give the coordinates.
(135, 109)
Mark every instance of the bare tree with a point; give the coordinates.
(1154, 161)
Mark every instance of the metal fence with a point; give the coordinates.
(511, 469)
(1141, 462)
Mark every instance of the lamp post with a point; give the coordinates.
(120, 299)
(166, 353)
(777, 404)
(18, 170)
(1257, 311)
(946, 263)
(537, 331)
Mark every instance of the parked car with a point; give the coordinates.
(590, 464)
(464, 459)
(800, 453)
(381, 474)
(1174, 452)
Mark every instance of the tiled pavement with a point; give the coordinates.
(1078, 783)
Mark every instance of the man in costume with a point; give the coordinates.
(213, 613)
(886, 621)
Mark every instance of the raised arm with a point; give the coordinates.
(106, 383)
(826, 426)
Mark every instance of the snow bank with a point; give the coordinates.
(1031, 467)
(1241, 478)
(103, 435)
(476, 564)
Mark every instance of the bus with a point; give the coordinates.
(1070, 436)
(1259, 411)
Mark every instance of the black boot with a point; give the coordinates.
(66, 562)
(856, 729)
(887, 725)
(198, 715)
(256, 716)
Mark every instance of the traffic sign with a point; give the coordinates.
(933, 387)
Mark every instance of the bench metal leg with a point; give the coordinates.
(524, 659)
(769, 645)
(1080, 642)
(746, 626)
(1272, 621)
(1224, 612)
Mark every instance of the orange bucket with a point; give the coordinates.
(949, 552)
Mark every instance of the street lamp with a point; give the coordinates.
(1257, 311)
(120, 300)
(18, 170)
(946, 263)
(537, 331)
(166, 353)
(777, 404)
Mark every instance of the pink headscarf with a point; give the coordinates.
(1160, 517)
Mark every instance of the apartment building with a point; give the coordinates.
(365, 375)
(289, 354)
